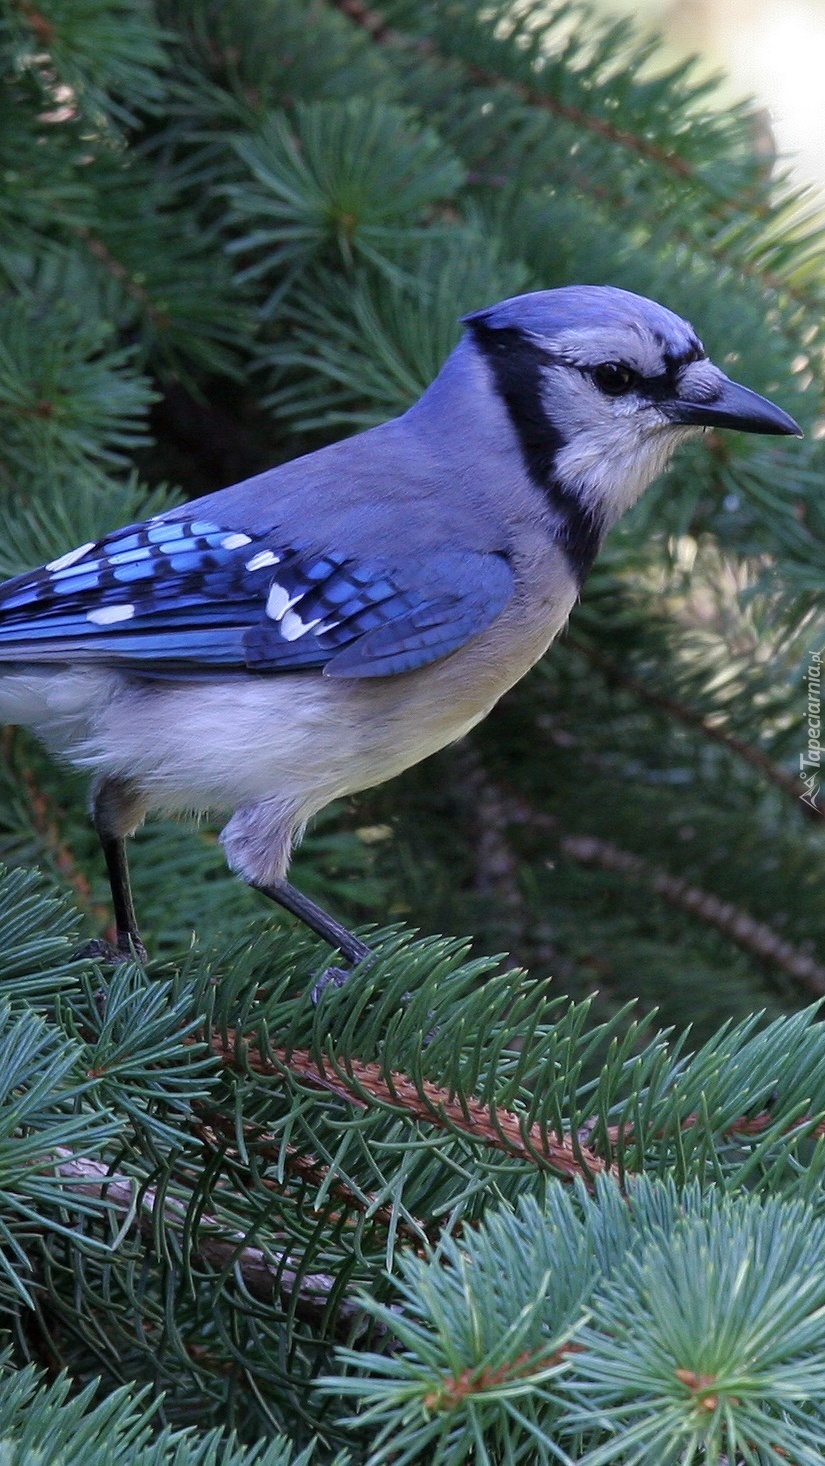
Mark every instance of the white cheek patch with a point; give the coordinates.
(613, 448)
(610, 466)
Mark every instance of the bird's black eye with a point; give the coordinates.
(614, 378)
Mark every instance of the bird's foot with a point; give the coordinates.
(331, 977)
(336, 977)
(128, 949)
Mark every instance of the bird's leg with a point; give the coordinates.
(117, 808)
(257, 841)
(324, 925)
(117, 865)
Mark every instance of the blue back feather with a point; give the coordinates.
(176, 597)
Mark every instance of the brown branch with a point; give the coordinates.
(132, 286)
(752, 935)
(309, 1169)
(373, 22)
(265, 1279)
(43, 28)
(360, 1083)
(308, 1295)
(455, 1389)
(683, 713)
(665, 157)
(502, 1129)
(743, 1126)
(723, 210)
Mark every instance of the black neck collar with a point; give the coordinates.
(516, 361)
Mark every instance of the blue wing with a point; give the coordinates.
(176, 597)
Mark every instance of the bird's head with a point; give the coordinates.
(601, 385)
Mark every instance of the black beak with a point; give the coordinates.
(733, 407)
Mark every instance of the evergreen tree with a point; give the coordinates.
(447, 1215)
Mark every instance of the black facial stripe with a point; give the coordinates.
(516, 362)
(661, 388)
(665, 386)
(695, 351)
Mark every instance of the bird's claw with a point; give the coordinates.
(330, 977)
(100, 951)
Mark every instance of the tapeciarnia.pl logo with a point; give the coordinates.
(811, 759)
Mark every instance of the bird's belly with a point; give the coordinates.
(307, 738)
(303, 739)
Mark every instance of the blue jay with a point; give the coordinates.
(318, 628)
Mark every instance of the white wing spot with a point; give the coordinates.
(64, 561)
(109, 615)
(264, 557)
(279, 601)
(292, 626)
(235, 541)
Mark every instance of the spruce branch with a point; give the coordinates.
(374, 23)
(363, 1084)
(667, 1324)
(751, 227)
(266, 1278)
(217, 1132)
(43, 28)
(48, 824)
(124, 277)
(57, 1423)
(753, 936)
(36, 930)
(707, 1340)
(356, 179)
(107, 57)
(738, 926)
(681, 711)
(69, 400)
(235, 1158)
